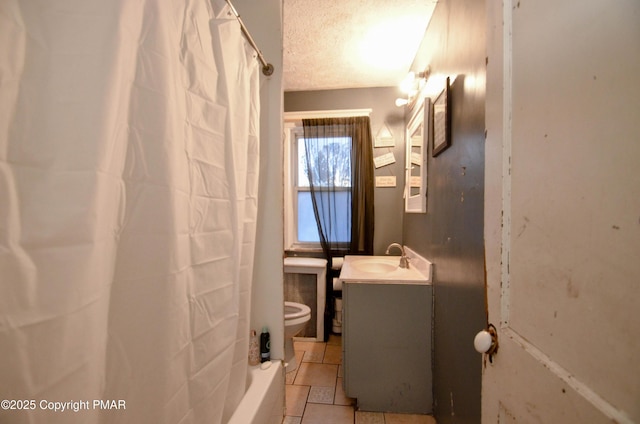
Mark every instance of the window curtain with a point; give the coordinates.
(317, 135)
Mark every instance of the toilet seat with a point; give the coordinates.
(293, 310)
(296, 315)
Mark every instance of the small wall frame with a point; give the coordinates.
(442, 121)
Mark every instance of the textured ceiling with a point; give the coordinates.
(331, 44)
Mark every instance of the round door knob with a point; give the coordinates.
(483, 341)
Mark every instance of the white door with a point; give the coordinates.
(562, 211)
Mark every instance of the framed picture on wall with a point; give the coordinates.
(441, 122)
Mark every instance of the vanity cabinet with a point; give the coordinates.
(386, 344)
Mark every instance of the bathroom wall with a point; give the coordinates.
(388, 200)
(264, 21)
(450, 234)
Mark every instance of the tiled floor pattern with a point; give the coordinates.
(314, 393)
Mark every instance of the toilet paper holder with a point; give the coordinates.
(486, 341)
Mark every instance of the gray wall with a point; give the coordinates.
(389, 204)
(450, 234)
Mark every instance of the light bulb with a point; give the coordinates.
(408, 83)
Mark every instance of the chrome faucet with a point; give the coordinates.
(404, 261)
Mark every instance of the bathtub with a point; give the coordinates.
(263, 402)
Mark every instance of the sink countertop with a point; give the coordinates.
(412, 275)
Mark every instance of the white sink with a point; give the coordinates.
(375, 265)
(384, 270)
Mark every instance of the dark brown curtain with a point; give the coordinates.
(325, 165)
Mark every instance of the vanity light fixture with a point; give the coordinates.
(411, 85)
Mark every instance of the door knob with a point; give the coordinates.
(486, 341)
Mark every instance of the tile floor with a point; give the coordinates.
(314, 393)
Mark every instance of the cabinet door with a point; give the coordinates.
(387, 346)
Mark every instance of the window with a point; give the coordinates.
(341, 140)
(328, 150)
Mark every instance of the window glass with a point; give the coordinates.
(328, 150)
(341, 217)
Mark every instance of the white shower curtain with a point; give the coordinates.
(128, 195)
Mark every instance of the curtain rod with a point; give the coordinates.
(267, 68)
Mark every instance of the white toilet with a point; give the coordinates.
(296, 316)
